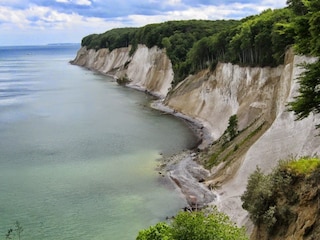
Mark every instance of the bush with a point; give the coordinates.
(258, 197)
(303, 166)
(161, 231)
(232, 129)
(265, 194)
(198, 225)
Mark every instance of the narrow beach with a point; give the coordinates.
(182, 169)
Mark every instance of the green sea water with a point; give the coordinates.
(78, 152)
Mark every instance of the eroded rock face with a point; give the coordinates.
(147, 69)
(151, 70)
(230, 89)
(302, 212)
(286, 138)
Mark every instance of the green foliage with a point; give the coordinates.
(232, 129)
(303, 35)
(222, 151)
(307, 41)
(258, 197)
(308, 99)
(297, 6)
(199, 225)
(194, 45)
(263, 191)
(178, 37)
(304, 166)
(160, 231)
(115, 38)
(306, 25)
(258, 41)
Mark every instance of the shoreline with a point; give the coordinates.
(181, 169)
(196, 125)
(187, 176)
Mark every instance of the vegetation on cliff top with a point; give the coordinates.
(177, 37)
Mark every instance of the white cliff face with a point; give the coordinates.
(102, 60)
(285, 139)
(148, 69)
(213, 97)
(151, 70)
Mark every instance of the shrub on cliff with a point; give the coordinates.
(258, 198)
(199, 225)
(265, 192)
(160, 231)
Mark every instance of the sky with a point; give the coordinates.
(36, 22)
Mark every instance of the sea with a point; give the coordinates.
(78, 152)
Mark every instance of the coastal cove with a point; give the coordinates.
(79, 153)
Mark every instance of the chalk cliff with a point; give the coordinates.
(258, 96)
(147, 69)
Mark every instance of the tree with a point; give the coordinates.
(198, 225)
(315, 33)
(160, 231)
(258, 197)
(232, 129)
(298, 6)
(308, 99)
(307, 42)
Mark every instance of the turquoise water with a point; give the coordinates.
(78, 152)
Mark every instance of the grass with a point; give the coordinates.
(303, 166)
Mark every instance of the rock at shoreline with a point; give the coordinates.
(188, 176)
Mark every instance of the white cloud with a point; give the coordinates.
(274, 3)
(172, 2)
(14, 17)
(36, 22)
(11, 2)
(201, 12)
(43, 18)
(83, 2)
(77, 2)
(63, 1)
